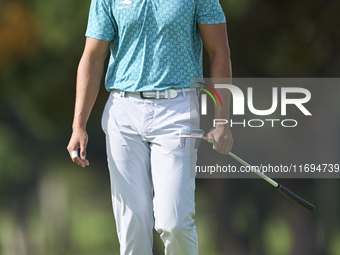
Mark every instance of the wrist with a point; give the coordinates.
(222, 126)
(76, 127)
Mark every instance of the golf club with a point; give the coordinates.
(197, 133)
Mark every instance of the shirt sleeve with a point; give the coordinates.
(209, 12)
(101, 24)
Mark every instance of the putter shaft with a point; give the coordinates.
(273, 183)
(295, 198)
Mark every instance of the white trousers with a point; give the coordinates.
(150, 173)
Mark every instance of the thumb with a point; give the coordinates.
(83, 151)
(210, 136)
(216, 144)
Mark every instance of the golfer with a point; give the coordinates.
(155, 49)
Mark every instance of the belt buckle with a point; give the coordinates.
(168, 94)
(142, 96)
(148, 97)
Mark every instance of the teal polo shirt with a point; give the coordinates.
(155, 44)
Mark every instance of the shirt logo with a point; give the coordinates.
(125, 4)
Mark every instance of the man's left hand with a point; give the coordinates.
(222, 137)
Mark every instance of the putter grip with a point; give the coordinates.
(295, 198)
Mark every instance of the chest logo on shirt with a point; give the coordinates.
(125, 4)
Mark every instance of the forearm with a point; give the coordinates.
(215, 40)
(221, 68)
(88, 82)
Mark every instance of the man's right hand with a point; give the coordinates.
(79, 140)
(90, 72)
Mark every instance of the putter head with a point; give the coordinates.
(192, 133)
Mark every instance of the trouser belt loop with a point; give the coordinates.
(183, 92)
(198, 91)
(122, 93)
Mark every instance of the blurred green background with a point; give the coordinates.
(48, 205)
